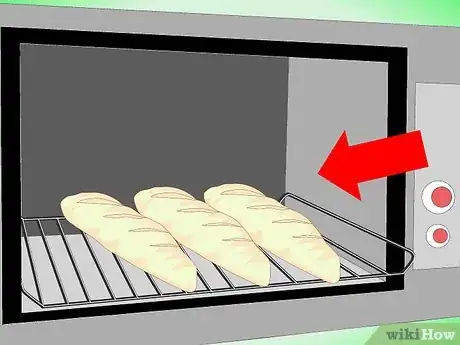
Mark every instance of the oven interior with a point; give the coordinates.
(117, 121)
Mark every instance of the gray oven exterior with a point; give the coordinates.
(433, 58)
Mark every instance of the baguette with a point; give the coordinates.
(137, 239)
(282, 231)
(211, 234)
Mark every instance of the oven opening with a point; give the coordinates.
(119, 120)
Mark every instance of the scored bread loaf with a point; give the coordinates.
(273, 226)
(139, 240)
(211, 234)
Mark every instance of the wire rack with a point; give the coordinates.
(81, 253)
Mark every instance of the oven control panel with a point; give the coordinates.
(436, 210)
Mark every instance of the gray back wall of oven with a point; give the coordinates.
(119, 121)
(433, 57)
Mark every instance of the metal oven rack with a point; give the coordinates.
(282, 276)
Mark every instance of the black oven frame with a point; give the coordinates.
(12, 38)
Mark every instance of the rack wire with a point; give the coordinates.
(282, 276)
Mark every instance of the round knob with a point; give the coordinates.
(438, 236)
(438, 197)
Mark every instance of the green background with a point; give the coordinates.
(421, 12)
(426, 12)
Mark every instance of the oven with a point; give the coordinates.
(116, 102)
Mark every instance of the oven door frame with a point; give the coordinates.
(12, 38)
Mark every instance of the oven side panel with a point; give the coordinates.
(440, 133)
(326, 98)
(433, 57)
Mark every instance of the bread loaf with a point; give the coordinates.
(133, 237)
(273, 226)
(211, 234)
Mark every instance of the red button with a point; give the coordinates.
(440, 236)
(441, 197)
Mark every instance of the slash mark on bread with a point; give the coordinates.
(290, 221)
(164, 245)
(236, 239)
(147, 230)
(242, 192)
(267, 207)
(98, 201)
(197, 210)
(124, 216)
(316, 237)
(223, 224)
(170, 195)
